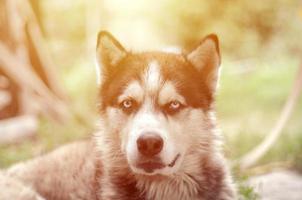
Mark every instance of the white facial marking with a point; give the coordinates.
(152, 76)
(168, 93)
(148, 121)
(133, 90)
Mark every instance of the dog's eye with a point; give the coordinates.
(173, 107)
(127, 105)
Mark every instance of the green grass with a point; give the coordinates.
(80, 83)
(245, 191)
(249, 104)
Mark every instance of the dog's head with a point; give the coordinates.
(156, 106)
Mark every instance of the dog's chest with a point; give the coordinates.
(181, 188)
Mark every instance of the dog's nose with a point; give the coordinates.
(149, 144)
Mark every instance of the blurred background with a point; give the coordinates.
(48, 85)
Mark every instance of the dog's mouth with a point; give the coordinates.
(151, 165)
(174, 161)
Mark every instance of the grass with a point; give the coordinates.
(248, 105)
(80, 83)
(246, 192)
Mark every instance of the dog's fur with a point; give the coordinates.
(170, 95)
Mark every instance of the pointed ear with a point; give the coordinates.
(109, 52)
(206, 59)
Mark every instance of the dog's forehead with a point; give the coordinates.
(152, 79)
(152, 87)
(151, 70)
(154, 62)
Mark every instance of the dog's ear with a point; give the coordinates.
(109, 52)
(206, 59)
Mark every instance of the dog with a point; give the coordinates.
(157, 138)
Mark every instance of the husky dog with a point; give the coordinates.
(157, 137)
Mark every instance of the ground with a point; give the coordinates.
(278, 185)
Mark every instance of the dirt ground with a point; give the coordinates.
(278, 185)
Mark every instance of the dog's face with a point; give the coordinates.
(156, 105)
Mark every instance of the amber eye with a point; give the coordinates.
(173, 107)
(127, 104)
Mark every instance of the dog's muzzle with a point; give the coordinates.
(150, 165)
(149, 144)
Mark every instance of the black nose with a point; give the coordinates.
(149, 144)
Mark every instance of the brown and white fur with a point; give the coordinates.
(157, 137)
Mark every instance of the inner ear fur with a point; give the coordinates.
(109, 51)
(206, 59)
